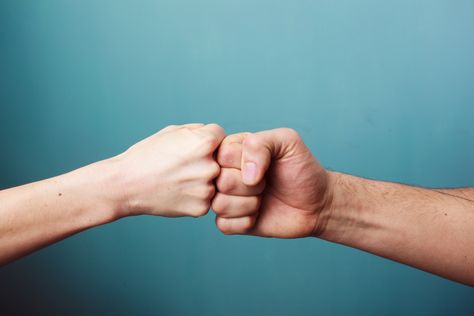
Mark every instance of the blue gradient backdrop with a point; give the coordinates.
(382, 89)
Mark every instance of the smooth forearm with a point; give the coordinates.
(170, 173)
(37, 214)
(419, 227)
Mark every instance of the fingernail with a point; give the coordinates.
(250, 172)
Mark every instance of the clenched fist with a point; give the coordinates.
(270, 185)
(171, 173)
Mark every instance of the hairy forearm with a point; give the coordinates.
(37, 214)
(424, 228)
(463, 193)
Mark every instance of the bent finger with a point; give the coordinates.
(232, 226)
(230, 182)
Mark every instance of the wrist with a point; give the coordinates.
(354, 213)
(338, 219)
(104, 188)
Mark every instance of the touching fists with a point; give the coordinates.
(270, 185)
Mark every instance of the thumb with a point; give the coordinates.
(259, 149)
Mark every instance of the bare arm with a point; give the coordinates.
(464, 193)
(37, 214)
(168, 174)
(272, 186)
(424, 228)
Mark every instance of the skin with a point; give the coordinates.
(168, 174)
(269, 184)
(272, 186)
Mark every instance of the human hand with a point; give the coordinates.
(293, 201)
(170, 173)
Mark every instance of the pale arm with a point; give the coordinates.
(168, 174)
(37, 214)
(424, 228)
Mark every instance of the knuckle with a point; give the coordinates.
(215, 206)
(219, 204)
(223, 226)
(204, 192)
(208, 143)
(184, 132)
(214, 170)
(210, 192)
(252, 142)
(290, 133)
(226, 155)
(217, 128)
(200, 210)
(211, 170)
(225, 183)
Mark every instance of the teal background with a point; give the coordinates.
(382, 89)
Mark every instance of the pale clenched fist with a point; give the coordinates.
(171, 173)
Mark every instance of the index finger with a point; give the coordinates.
(235, 138)
(230, 151)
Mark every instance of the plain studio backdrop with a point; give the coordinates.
(381, 89)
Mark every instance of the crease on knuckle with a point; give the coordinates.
(225, 184)
(225, 155)
(219, 204)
